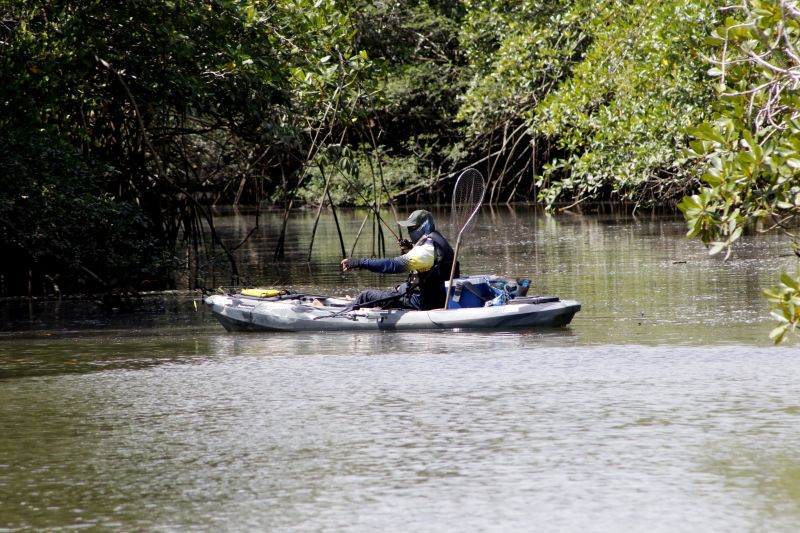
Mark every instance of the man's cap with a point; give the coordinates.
(414, 219)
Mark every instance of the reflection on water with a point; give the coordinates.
(639, 280)
(371, 432)
(661, 408)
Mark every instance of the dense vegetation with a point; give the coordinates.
(750, 149)
(125, 122)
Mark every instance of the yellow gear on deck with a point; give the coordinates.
(262, 293)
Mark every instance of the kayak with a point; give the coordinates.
(276, 311)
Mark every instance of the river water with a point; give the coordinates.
(662, 407)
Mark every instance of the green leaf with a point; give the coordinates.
(717, 247)
(707, 132)
(690, 206)
(773, 295)
(779, 317)
(713, 178)
(790, 282)
(736, 234)
(779, 333)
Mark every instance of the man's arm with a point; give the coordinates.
(419, 258)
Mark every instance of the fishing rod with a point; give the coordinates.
(371, 205)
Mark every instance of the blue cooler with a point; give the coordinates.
(473, 291)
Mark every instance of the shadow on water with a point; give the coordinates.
(49, 337)
(51, 316)
(89, 352)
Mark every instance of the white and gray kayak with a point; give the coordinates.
(237, 312)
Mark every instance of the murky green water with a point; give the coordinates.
(663, 407)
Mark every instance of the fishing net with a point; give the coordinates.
(467, 197)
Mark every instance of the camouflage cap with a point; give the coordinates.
(415, 219)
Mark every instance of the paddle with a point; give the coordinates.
(467, 198)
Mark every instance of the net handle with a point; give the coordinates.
(463, 183)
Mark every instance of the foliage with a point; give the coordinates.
(785, 300)
(140, 86)
(603, 89)
(620, 117)
(59, 231)
(420, 68)
(518, 52)
(750, 151)
(351, 177)
(182, 100)
(393, 109)
(173, 105)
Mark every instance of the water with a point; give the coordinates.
(663, 407)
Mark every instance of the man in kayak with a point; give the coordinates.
(428, 258)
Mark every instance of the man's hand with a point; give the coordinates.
(405, 245)
(349, 263)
